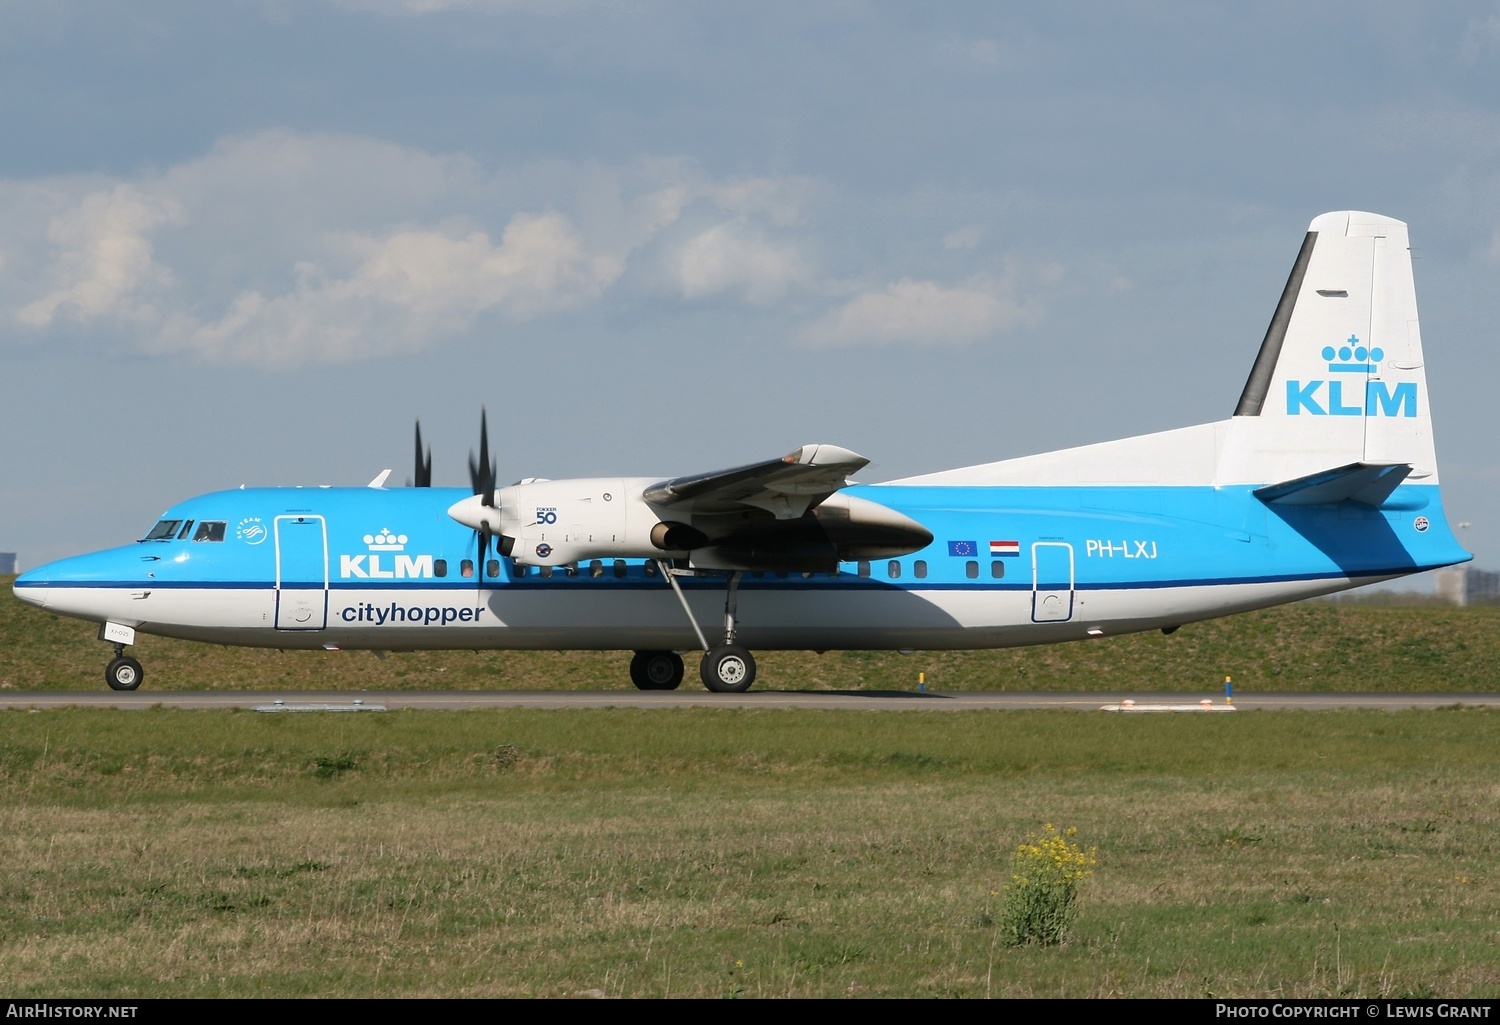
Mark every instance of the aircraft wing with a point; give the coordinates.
(786, 488)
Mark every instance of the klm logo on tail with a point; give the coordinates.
(1328, 397)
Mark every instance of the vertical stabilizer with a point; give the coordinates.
(1339, 378)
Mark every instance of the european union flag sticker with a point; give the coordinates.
(963, 549)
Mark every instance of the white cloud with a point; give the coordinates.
(102, 263)
(282, 250)
(734, 257)
(924, 313)
(410, 286)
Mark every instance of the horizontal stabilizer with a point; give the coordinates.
(1370, 483)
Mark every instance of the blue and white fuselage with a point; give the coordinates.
(1068, 562)
(1324, 478)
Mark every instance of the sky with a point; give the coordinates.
(252, 242)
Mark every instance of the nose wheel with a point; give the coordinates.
(123, 673)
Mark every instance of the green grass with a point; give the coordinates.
(1312, 646)
(716, 853)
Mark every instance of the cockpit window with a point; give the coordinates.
(163, 531)
(210, 530)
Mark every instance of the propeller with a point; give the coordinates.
(424, 464)
(482, 479)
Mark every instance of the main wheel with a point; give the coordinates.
(727, 669)
(656, 670)
(123, 673)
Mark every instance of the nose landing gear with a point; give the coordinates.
(123, 672)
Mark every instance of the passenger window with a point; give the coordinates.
(971, 570)
(492, 568)
(894, 569)
(545, 571)
(596, 568)
(209, 530)
(466, 568)
(650, 569)
(997, 570)
(919, 569)
(620, 567)
(439, 567)
(571, 569)
(864, 568)
(184, 531)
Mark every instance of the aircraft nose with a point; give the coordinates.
(29, 588)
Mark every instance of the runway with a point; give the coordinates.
(869, 701)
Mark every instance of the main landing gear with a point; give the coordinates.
(726, 668)
(656, 670)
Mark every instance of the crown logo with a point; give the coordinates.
(1352, 357)
(385, 541)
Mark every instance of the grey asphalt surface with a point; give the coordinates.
(886, 701)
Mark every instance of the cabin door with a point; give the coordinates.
(301, 573)
(1051, 582)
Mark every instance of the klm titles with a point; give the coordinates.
(1326, 398)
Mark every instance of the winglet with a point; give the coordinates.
(379, 481)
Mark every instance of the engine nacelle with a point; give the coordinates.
(556, 522)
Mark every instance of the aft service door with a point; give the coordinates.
(301, 573)
(1051, 582)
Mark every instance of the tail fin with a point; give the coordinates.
(1339, 380)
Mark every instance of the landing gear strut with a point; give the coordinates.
(726, 668)
(123, 672)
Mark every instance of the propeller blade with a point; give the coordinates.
(424, 466)
(484, 557)
(482, 478)
(482, 473)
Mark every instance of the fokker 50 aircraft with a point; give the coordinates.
(1324, 478)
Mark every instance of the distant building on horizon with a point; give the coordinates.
(1462, 585)
(7, 564)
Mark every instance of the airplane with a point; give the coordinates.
(1323, 478)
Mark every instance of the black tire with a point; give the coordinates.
(123, 673)
(727, 669)
(656, 670)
